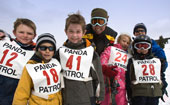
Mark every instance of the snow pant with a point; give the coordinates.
(141, 100)
(7, 89)
(121, 97)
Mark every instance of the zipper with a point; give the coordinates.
(152, 87)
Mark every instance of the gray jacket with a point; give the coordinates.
(83, 93)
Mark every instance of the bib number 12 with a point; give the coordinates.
(13, 56)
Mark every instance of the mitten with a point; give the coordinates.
(109, 71)
(164, 92)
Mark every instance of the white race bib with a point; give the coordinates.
(12, 58)
(46, 77)
(119, 58)
(76, 62)
(147, 71)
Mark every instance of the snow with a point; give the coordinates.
(167, 52)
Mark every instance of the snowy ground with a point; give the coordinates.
(167, 51)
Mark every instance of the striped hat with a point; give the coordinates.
(46, 37)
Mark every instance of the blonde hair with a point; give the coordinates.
(124, 35)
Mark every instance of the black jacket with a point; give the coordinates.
(101, 41)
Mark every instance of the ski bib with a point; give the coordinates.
(147, 71)
(45, 77)
(12, 58)
(119, 57)
(76, 62)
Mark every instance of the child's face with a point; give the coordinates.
(44, 50)
(124, 42)
(74, 33)
(24, 34)
(142, 51)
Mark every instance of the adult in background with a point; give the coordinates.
(101, 35)
(97, 30)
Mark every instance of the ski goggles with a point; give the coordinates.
(44, 48)
(100, 21)
(142, 45)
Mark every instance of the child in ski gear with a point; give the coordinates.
(114, 61)
(124, 40)
(40, 81)
(97, 30)
(144, 75)
(83, 78)
(14, 55)
(140, 29)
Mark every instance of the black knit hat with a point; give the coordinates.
(139, 25)
(46, 37)
(99, 12)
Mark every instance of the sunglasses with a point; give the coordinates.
(137, 31)
(100, 21)
(142, 45)
(44, 48)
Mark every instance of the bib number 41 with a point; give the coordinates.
(69, 63)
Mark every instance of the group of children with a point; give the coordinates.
(74, 74)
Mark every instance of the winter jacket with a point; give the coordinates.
(159, 53)
(8, 85)
(23, 94)
(101, 41)
(83, 92)
(117, 73)
(142, 89)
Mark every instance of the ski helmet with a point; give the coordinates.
(143, 39)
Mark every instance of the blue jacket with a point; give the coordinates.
(159, 52)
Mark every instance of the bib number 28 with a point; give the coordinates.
(151, 69)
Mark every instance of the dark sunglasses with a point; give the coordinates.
(137, 31)
(44, 48)
(142, 45)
